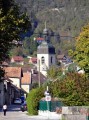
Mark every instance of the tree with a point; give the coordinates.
(29, 45)
(12, 24)
(81, 53)
(72, 90)
(54, 72)
(16, 51)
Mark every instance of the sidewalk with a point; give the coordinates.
(38, 117)
(41, 117)
(18, 115)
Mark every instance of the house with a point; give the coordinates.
(61, 58)
(38, 77)
(26, 82)
(64, 59)
(30, 78)
(17, 60)
(15, 74)
(10, 91)
(5, 64)
(26, 69)
(39, 39)
(33, 60)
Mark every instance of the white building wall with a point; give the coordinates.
(47, 62)
(26, 88)
(16, 82)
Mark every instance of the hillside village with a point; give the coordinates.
(22, 75)
(44, 59)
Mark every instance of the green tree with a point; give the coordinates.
(12, 24)
(54, 73)
(16, 51)
(29, 45)
(72, 90)
(81, 53)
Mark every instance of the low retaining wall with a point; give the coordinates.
(68, 113)
(50, 114)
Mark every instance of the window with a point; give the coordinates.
(42, 60)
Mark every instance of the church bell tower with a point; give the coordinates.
(45, 54)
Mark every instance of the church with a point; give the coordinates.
(45, 54)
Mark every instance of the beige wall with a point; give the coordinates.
(26, 88)
(16, 82)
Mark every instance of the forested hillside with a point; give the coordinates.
(61, 15)
(64, 17)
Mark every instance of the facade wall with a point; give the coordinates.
(12, 60)
(16, 82)
(48, 58)
(26, 88)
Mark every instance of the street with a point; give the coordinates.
(14, 113)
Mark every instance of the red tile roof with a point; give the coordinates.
(18, 58)
(39, 39)
(13, 72)
(26, 79)
(34, 59)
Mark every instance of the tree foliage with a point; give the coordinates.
(12, 24)
(72, 90)
(81, 53)
(29, 45)
(54, 72)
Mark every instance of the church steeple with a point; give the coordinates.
(45, 53)
(46, 33)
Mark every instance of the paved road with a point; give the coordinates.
(14, 113)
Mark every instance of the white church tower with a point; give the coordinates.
(45, 54)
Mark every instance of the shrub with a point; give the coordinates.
(33, 100)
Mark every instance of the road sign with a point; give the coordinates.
(48, 98)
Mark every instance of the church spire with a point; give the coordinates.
(45, 33)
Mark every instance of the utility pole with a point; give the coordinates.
(39, 72)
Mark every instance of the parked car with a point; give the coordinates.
(17, 101)
(24, 107)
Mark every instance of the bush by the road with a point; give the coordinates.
(33, 100)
